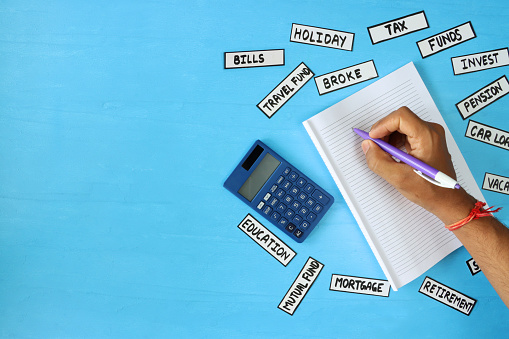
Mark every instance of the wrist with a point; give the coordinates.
(454, 207)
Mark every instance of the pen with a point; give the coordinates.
(427, 172)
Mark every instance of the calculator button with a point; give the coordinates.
(260, 205)
(266, 197)
(296, 205)
(310, 202)
(289, 214)
(283, 222)
(293, 176)
(301, 182)
(294, 191)
(318, 208)
(302, 197)
(287, 185)
(291, 227)
(267, 210)
(288, 199)
(320, 197)
(311, 216)
(305, 224)
(297, 220)
(275, 216)
(281, 208)
(280, 193)
(280, 180)
(273, 188)
(273, 202)
(298, 233)
(309, 188)
(287, 171)
(304, 211)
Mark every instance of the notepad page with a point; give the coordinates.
(405, 238)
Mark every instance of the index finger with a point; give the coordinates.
(402, 120)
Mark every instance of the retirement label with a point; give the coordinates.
(480, 61)
(285, 90)
(300, 286)
(473, 267)
(448, 296)
(483, 97)
(248, 59)
(398, 27)
(446, 39)
(268, 241)
(346, 77)
(344, 283)
(496, 183)
(487, 134)
(322, 37)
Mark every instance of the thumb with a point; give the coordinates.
(383, 164)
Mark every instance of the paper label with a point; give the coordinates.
(446, 39)
(496, 183)
(248, 59)
(268, 241)
(473, 267)
(301, 286)
(346, 77)
(448, 296)
(480, 61)
(398, 27)
(344, 283)
(483, 97)
(285, 90)
(487, 134)
(322, 37)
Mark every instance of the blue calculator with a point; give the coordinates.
(279, 192)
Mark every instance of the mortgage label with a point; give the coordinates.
(301, 286)
(248, 59)
(322, 37)
(446, 39)
(448, 296)
(268, 241)
(487, 134)
(344, 283)
(346, 77)
(473, 267)
(285, 90)
(496, 183)
(398, 27)
(480, 61)
(483, 97)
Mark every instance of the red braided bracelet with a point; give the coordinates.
(477, 212)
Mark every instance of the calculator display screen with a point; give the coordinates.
(259, 177)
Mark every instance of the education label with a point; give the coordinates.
(487, 134)
(480, 61)
(345, 77)
(398, 27)
(496, 183)
(344, 283)
(446, 39)
(483, 97)
(447, 296)
(322, 37)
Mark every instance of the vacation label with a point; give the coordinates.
(480, 61)
(346, 77)
(446, 39)
(496, 183)
(487, 134)
(301, 286)
(448, 296)
(268, 241)
(483, 97)
(344, 283)
(322, 37)
(473, 267)
(248, 59)
(398, 27)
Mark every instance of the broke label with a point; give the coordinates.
(398, 27)
(346, 77)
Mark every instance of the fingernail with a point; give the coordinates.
(365, 146)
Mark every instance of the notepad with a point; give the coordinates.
(406, 239)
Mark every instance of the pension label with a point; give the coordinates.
(285, 90)
(487, 134)
(398, 27)
(446, 39)
(300, 286)
(483, 97)
(248, 59)
(480, 61)
(346, 77)
(473, 267)
(344, 283)
(322, 37)
(496, 183)
(268, 241)
(448, 296)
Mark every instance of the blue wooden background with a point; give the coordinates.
(118, 126)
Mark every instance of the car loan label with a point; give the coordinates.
(248, 59)
(448, 296)
(344, 283)
(346, 77)
(322, 37)
(480, 61)
(446, 39)
(487, 134)
(496, 183)
(268, 241)
(483, 97)
(398, 27)
(285, 90)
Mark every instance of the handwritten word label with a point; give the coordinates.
(483, 97)
(480, 61)
(346, 77)
(487, 134)
(268, 241)
(322, 37)
(473, 267)
(285, 90)
(448, 296)
(344, 283)
(398, 27)
(301, 286)
(496, 183)
(248, 59)
(446, 39)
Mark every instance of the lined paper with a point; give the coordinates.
(405, 238)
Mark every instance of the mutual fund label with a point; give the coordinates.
(496, 183)
(268, 241)
(301, 286)
(322, 37)
(483, 97)
(344, 283)
(248, 59)
(480, 61)
(487, 134)
(398, 27)
(285, 90)
(346, 77)
(446, 39)
(447, 296)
